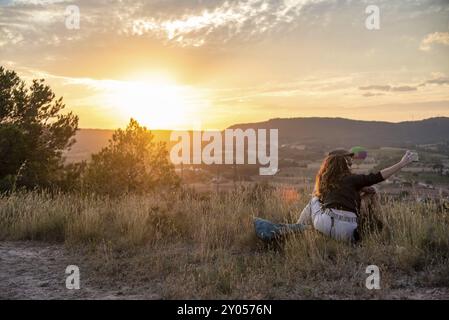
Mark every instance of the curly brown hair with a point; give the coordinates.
(332, 170)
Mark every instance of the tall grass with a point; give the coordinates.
(194, 245)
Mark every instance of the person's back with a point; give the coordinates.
(346, 194)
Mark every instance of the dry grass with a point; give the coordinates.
(190, 245)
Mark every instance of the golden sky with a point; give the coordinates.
(177, 64)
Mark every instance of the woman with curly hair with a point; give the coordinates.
(343, 205)
(336, 207)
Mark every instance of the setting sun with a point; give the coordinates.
(158, 104)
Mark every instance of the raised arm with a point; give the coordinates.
(406, 159)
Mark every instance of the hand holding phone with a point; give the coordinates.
(409, 157)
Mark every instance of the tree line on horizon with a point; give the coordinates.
(35, 130)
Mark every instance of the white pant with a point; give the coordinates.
(337, 224)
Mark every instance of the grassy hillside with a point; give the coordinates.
(188, 245)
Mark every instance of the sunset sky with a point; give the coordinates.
(177, 64)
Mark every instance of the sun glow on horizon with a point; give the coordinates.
(157, 103)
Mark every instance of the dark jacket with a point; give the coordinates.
(347, 195)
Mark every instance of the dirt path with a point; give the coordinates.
(34, 270)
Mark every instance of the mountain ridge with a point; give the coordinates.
(342, 131)
(327, 132)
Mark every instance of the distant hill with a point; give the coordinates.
(335, 132)
(89, 141)
(326, 132)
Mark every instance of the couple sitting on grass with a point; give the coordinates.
(343, 204)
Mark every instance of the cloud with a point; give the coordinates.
(310, 86)
(403, 89)
(36, 2)
(9, 36)
(179, 22)
(371, 94)
(376, 87)
(389, 88)
(434, 38)
(438, 81)
(24, 24)
(231, 19)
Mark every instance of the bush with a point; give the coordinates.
(132, 163)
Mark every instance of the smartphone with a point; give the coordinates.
(415, 156)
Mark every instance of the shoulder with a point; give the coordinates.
(365, 179)
(352, 177)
